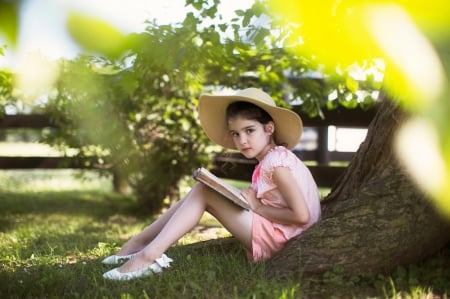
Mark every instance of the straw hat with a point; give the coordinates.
(212, 112)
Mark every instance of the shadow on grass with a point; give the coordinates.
(50, 281)
(100, 205)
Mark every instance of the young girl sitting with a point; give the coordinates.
(283, 196)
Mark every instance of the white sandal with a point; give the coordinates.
(156, 267)
(118, 259)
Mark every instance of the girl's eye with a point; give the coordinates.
(234, 134)
(249, 131)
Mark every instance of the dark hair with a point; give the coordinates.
(248, 111)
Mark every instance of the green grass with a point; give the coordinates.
(55, 229)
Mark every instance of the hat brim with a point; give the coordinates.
(212, 114)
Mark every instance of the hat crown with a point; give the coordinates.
(258, 95)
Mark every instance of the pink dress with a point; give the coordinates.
(269, 237)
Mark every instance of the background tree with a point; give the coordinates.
(140, 109)
(379, 214)
(375, 217)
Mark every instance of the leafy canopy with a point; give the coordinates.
(131, 102)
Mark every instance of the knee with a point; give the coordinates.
(202, 193)
(199, 194)
(200, 189)
(207, 196)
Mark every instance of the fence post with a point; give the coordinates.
(322, 146)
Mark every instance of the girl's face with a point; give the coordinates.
(252, 138)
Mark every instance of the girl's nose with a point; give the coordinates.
(242, 139)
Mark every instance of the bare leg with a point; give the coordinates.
(139, 241)
(186, 216)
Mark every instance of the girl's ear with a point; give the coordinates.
(270, 127)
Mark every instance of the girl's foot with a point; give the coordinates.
(118, 259)
(156, 267)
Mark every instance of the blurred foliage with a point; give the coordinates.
(413, 40)
(9, 20)
(96, 36)
(136, 122)
(6, 89)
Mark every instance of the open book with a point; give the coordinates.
(230, 192)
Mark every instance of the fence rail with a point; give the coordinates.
(233, 166)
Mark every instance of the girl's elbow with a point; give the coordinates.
(302, 218)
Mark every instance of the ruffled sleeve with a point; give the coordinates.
(277, 157)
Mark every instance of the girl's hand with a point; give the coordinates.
(250, 195)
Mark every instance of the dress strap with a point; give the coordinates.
(255, 174)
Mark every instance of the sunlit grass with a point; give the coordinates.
(53, 239)
(53, 180)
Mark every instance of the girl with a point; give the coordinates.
(283, 196)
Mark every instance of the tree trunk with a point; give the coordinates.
(120, 182)
(374, 217)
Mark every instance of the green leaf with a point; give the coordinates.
(240, 12)
(190, 21)
(260, 35)
(223, 27)
(351, 84)
(258, 8)
(9, 21)
(96, 35)
(211, 12)
(247, 18)
(197, 5)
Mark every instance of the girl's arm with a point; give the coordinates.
(296, 212)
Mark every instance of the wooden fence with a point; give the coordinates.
(326, 166)
(320, 161)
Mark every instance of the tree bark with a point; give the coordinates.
(374, 217)
(373, 220)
